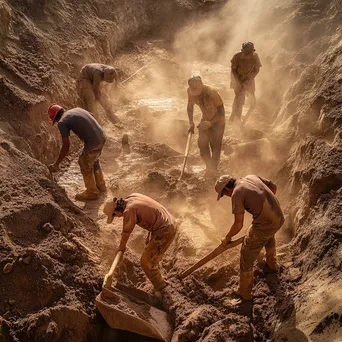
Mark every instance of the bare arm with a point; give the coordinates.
(128, 226)
(236, 75)
(253, 74)
(97, 78)
(64, 150)
(236, 227)
(190, 110)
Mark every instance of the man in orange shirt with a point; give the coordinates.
(211, 127)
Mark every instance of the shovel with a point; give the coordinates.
(132, 309)
(186, 155)
(217, 251)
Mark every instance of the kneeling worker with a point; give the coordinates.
(211, 127)
(84, 125)
(141, 210)
(257, 196)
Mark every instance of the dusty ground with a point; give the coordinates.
(60, 250)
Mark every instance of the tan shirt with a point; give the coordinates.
(208, 102)
(245, 65)
(250, 193)
(145, 212)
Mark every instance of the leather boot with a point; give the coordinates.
(99, 179)
(91, 192)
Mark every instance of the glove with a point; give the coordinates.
(191, 128)
(53, 168)
(204, 125)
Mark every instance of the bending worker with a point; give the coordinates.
(88, 87)
(138, 209)
(84, 125)
(257, 196)
(211, 127)
(245, 66)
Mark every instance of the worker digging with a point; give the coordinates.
(245, 66)
(141, 210)
(256, 195)
(89, 88)
(85, 126)
(211, 127)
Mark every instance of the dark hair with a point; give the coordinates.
(231, 184)
(59, 114)
(120, 205)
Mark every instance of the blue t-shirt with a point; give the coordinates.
(84, 125)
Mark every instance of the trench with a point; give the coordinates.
(152, 109)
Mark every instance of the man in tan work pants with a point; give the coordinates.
(256, 195)
(141, 210)
(91, 169)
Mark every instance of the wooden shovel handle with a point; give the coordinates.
(115, 263)
(217, 251)
(186, 154)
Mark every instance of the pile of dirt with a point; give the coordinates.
(48, 277)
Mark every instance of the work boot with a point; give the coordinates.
(92, 192)
(100, 182)
(268, 270)
(245, 287)
(86, 195)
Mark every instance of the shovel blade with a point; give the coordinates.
(125, 312)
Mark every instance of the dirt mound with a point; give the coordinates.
(41, 237)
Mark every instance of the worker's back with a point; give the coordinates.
(84, 125)
(149, 214)
(250, 194)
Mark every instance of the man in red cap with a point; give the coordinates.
(256, 195)
(84, 125)
(211, 127)
(245, 65)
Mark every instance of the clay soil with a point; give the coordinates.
(54, 251)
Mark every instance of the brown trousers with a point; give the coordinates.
(154, 252)
(91, 168)
(239, 99)
(210, 145)
(260, 235)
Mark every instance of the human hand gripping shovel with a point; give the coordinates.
(186, 154)
(216, 252)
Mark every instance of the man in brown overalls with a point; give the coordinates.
(256, 195)
(141, 210)
(88, 88)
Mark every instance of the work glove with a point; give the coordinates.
(53, 168)
(191, 128)
(204, 125)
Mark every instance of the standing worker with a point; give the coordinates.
(141, 210)
(245, 66)
(84, 125)
(257, 196)
(211, 127)
(88, 87)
